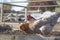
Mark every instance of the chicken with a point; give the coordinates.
(25, 26)
(45, 25)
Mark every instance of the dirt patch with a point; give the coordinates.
(17, 32)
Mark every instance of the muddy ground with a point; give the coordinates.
(18, 32)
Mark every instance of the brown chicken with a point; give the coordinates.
(25, 26)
